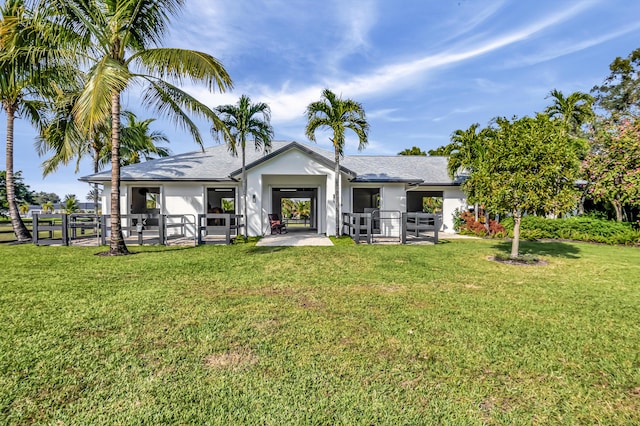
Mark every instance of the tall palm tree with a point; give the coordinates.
(118, 41)
(246, 120)
(574, 110)
(23, 62)
(335, 114)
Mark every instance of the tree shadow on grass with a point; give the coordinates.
(539, 248)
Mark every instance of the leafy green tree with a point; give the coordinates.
(336, 115)
(620, 92)
(288, 207)
(414, 150)
(441, 151)
(613, 165)
(529, 167)
(228, 205)
(43, 197)
(118, 40)
(23, 193)
(432, 204)
(246, 120)
(71, 204)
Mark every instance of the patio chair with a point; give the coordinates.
(277, 226)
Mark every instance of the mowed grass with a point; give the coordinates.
(320, 335)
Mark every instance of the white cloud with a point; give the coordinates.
(558, 49)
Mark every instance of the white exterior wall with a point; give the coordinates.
(183, 198)
(106, 199)
(453, 198)
(290, 169)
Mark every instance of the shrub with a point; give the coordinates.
(466, 223)
(580, 228)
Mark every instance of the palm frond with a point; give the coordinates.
(94, 103)
(181, 64)
(176, 104)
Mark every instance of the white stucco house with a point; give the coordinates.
(198, 182)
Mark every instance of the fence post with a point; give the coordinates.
(65, 229)
(162, 229)
(404, 228)
(436, 224)
(103, 229)
(34, 228)
(139, 228)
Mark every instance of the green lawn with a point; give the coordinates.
(320, 335)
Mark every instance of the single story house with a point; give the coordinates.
(208, 181)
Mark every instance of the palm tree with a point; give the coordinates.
(47, 207)
(466, 151)
(22, 48)
(466, 154)
(574, 110)
(139, 142)
(337, 115)
(70, 204)
(61, 135)
(24, 208)
(246, 120)
(118, 42)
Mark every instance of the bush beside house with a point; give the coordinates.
(579, 228)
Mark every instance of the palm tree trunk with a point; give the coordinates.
(338, 194)
(19, 229)
(96, 169)
(244, 194)
(117, 246)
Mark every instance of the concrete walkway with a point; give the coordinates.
(296, 239)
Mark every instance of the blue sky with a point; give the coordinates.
(421, 68)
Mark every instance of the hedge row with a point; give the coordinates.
(580, 228)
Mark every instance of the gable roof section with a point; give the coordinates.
(217, 164)
(314, 154)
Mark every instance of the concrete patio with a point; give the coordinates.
(294, 239)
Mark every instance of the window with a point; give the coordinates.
(366, 199)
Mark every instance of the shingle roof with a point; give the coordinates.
(216, 164)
